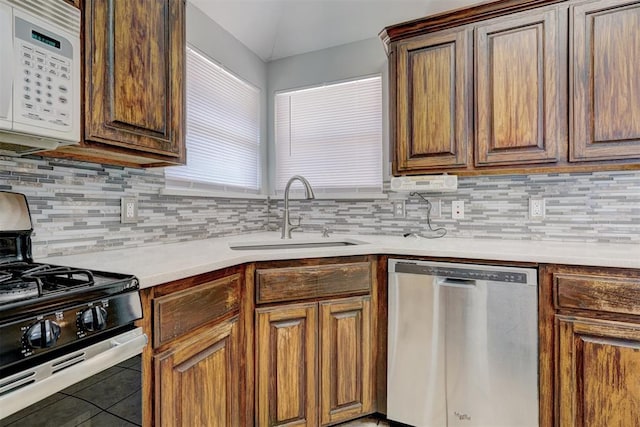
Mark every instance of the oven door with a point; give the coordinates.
(28, 387)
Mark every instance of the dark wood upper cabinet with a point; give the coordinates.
(76, 3)
(433, 88)
(605, 80)
(518, 91)
(134, 83)
(552, 86)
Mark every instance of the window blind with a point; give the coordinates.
(223, 130)
(332, 135)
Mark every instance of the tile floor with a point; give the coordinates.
(111, 398)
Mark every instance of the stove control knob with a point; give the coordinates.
(43, 334)
(93, 319)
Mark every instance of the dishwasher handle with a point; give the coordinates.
(453, 282)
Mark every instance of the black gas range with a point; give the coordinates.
(54, 317)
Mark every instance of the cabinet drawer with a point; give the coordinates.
(183, 311)
(599, 293)
(295, 283)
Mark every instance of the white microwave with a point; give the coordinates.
(39, 75)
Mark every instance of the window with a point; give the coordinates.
(332, 135)
(223, 130)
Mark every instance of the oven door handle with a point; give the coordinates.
(30, 386)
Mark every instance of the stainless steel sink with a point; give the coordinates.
(288, 244)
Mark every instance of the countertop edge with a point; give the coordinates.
(163, 263)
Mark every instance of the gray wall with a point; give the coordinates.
(227, 51)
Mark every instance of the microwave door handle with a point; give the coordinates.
(7, 65)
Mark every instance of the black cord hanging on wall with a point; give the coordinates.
(440, 231)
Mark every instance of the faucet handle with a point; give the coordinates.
(297, 224)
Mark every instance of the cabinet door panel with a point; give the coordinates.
(605, 80)
(286, 365)
(345, 359)
(432, 127)
(312, 281)
(598, 366)
(186, 310)
(134, 75)
(198, 383)
(518, 95)
(138, 77)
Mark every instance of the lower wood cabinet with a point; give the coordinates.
(346, 389)
(286, 366)
(598, 366)
(237, 347)
(195, 370)
(197, 383)
(590, 346)
(314, 362)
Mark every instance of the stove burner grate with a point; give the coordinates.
(21, 280)
(4, 276)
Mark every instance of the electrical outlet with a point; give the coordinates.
(436, 208)
(399, 209)
(457, 209)
(536, 208)
(128, 210)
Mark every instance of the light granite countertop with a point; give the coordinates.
(154, 265)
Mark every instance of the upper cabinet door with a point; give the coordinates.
(134, 59)
(432, 102)
(518, 82)
(605, 80)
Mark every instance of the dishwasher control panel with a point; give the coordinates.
(468, 273)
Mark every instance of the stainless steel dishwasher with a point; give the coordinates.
(463, 345)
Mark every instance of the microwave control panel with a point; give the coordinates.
(43, 90)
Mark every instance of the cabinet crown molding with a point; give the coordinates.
(457, 17)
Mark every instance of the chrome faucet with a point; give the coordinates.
(287, 227)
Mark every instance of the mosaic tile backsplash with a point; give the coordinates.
(588, 207)
(76, 208)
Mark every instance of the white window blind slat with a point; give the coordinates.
(332, 135)
(223, 129)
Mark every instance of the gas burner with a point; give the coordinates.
(4, 276)
(17, 290)
(12, 288)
